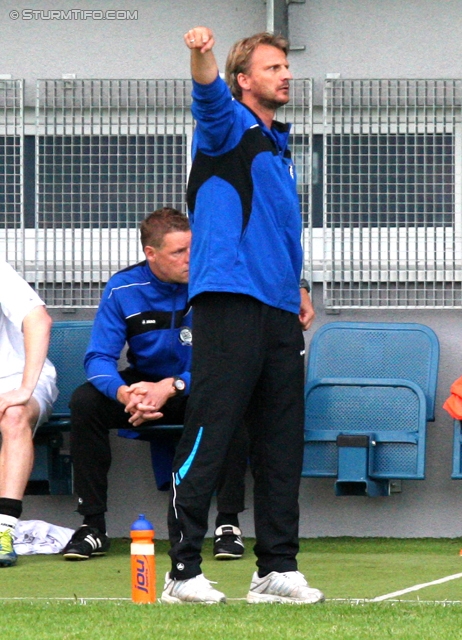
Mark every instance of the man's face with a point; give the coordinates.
(268, 79)
(170, 262)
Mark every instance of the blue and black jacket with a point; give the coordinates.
(243, 203)
(152, 317)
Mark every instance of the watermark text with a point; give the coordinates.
(73, 14)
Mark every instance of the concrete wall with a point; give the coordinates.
(376, 39)
(150, 46)
(367, 38)
(357, 38)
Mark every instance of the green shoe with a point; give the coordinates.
(8, 555)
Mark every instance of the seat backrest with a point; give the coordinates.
(409, 351)
(68, 344)
(390, 412)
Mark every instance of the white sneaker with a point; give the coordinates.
(289, 587)
(197, 589)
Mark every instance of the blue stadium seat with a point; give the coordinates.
(369, 392)
(68, 344)
(457, 451)
(52, 472)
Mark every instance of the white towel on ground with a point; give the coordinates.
(37, 536)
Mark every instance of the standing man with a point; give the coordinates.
(144, 306)
(249, 312)
(27, 393)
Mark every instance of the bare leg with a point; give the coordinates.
(17, 451)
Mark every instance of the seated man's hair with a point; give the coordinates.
(160, 222)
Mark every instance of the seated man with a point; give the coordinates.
(27, 393)
(146, 306)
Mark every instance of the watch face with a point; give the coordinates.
(179, 384)
(186, 336)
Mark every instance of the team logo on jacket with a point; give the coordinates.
(186, 336)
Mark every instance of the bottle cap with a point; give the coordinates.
(142, 524)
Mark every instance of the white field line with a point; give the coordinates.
(70, 599)
(419, 601)
(391, 597)
(416, 587)
(352, 601)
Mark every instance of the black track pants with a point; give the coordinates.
(247, 365)
(92, 416)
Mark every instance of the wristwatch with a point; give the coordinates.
(304, 284)
(179, 385)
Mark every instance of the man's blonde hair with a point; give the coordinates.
(240, 57)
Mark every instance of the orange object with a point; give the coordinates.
(143, 561)
(453, 405)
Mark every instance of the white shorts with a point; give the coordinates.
(45, 393)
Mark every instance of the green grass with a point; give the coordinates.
(232, 622)
(349, 571)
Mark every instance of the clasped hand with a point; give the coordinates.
(145, 399)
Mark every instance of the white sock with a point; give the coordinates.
(7, 522)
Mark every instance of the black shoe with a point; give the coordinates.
(86, 543)
(228, 543)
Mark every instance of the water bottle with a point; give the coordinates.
(143, 561)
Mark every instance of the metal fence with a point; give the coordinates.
(12, 236)
(299, 112)
(107, 153)
(392, 205)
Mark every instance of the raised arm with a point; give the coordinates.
(200, 41)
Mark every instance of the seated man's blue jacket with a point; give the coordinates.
(152, 317)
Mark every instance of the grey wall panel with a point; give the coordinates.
(375, 39)
(150, 46)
